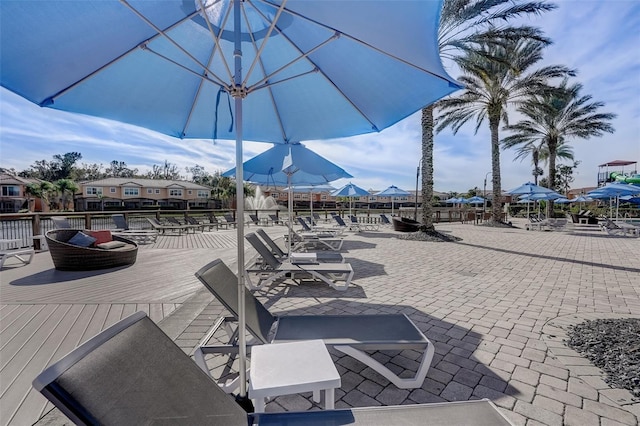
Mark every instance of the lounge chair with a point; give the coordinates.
(213, 220)
(385, 220)
(120, 221)
(18, 253)
(61, 222)
(133, 373)
(620, 229)
(350, 334)
(164, 228)
(362, 226)
(140, 236)
(313, 240)
(322, 232)
(200, 225)
(322, 256)
(185, 226)
(275, 219)
(274, 269)
(228, 217)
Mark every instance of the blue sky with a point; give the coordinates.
(601, 39)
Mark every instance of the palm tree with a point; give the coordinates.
(32, 191)
(538, 152)
(66, 187)
(46, 191)
(496, 77)
(464, 25)
(556, 116)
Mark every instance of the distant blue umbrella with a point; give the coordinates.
(393, 191)
(350, 190)
(528, 188)
(615, 190)
(562, 200)
(475, 200)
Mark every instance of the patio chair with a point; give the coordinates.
(155, 224)
(619, 230)
(140, 236)
(322, 256)
(120, 221)
(385, 220)
(275, 219)
(313, 240)
(362, 226)
(322, 232)
(133, 373)
(61, 222)
(213, 220)
(200, 225)
(228, 217)
(185, 226)
(274, 269)
(350, 334)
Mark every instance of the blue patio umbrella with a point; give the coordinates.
(562, 200)
(540, 196)
(529, 188)
(393, 192)
(296, 70)
(350, 190)
(615, 190)
(287, 165)
(475, 200)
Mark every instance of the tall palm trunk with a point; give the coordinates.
(536, 167)
(427, 168)
(552, 145)
(496, 202)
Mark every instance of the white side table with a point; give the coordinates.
(288, 368)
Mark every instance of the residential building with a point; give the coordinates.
(132, 193)
(13, 196)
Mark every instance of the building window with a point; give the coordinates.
(149, 191)
(190, 192)
(157, 191)
(112, 190)
(175, 193)
(203, 193)
(92, 190)
(10, 191)
(131, 192)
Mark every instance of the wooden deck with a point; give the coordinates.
(45, 313)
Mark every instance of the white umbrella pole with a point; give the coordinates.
(311, 206)
(392, 199)
(242, 338)
(290, 214)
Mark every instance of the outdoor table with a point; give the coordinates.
(288, 368)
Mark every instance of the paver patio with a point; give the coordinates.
(496, 305)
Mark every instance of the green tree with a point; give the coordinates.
(564, 177)
(32, 191)
(46, 191)
(88, 172)
(556, 117)
(464, 26)
(492, 85)
(167, 171)
(119, 169)
(66, 188)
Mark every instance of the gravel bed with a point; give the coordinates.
(612, 345)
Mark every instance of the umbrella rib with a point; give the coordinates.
(216, 38)
(264, 42)
(385, 53)
(175, 43)
(195, 98)
(50, 100)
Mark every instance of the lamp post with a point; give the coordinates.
(484, 194)
(415, 207)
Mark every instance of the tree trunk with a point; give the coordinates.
(553, 150)
(427, 168)
(496, 202)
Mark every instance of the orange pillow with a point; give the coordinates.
(101, 236)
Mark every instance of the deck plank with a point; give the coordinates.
(45, 313)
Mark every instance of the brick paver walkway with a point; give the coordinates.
(496, 305)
